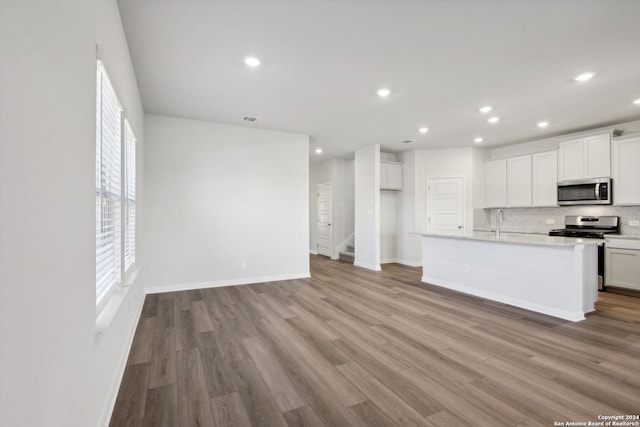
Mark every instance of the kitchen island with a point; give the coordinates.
(553, 275)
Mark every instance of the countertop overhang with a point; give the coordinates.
(520, 238)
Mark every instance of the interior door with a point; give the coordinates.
(445, 206)
(324, 219)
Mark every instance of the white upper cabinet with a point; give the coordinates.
(571, 160)
(519, 181)
(626, 171)
(390, 176)
(545, 177)
(495, 183)
(588, 157)
(597, 156)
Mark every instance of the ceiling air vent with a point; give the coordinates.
(249, 119)
(407, 141)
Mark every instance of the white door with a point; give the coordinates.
(324, 219)
(445, 206)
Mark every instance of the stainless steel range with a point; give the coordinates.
(588, 227)
(591, 227)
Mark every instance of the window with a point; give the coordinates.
(115, 190)
(129, 197)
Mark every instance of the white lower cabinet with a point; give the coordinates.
(622, 265)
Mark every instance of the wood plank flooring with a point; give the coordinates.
(351, 347)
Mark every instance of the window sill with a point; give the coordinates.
(109, 312)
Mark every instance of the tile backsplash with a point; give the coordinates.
(534, 220)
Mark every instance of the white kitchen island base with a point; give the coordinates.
(551, 275)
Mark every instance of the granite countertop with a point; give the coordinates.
(520, 238)
(623, 236)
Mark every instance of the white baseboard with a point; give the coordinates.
(229, 282)
(409, 263)
(312, 252)
(401, 261)
(562, 314)
(367, 266)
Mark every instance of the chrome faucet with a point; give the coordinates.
(499, 219)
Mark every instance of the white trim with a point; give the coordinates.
(116, 298)
(313, 252)
(388, 261)
(409, 263)
(367, 266)
(107, 412)
(109, 311)
(562, 314)
(229, 282)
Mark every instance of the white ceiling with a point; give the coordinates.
(323, 60)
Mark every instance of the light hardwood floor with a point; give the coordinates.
(351, 347)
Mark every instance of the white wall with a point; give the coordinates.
(54, 369)
(409, 244)
(367, 207)
(388, 219)
(443, 163)
(388, 226)
(349, 197)
(478, 157)
(219, 195)
(419, 166)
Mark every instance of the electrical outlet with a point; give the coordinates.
(465, 268)
(550, 221)
(634, 223)
(243, 265)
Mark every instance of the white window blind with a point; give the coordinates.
(108, 187)
(129, 197)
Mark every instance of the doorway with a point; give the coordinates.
(324, 220)
(445, 206)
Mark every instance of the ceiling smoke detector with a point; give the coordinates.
(250, 119)
(407, 141)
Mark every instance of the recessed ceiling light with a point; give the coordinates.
(252, 61)
(478, 140)
(543, 124)
(423, 130)
(494, 120)
(318, 150)
(584, 77)
(637, 101)
(486, 109)
(384, 92)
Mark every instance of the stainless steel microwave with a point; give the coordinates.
(585, 192)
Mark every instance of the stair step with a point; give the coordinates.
(347, 256)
